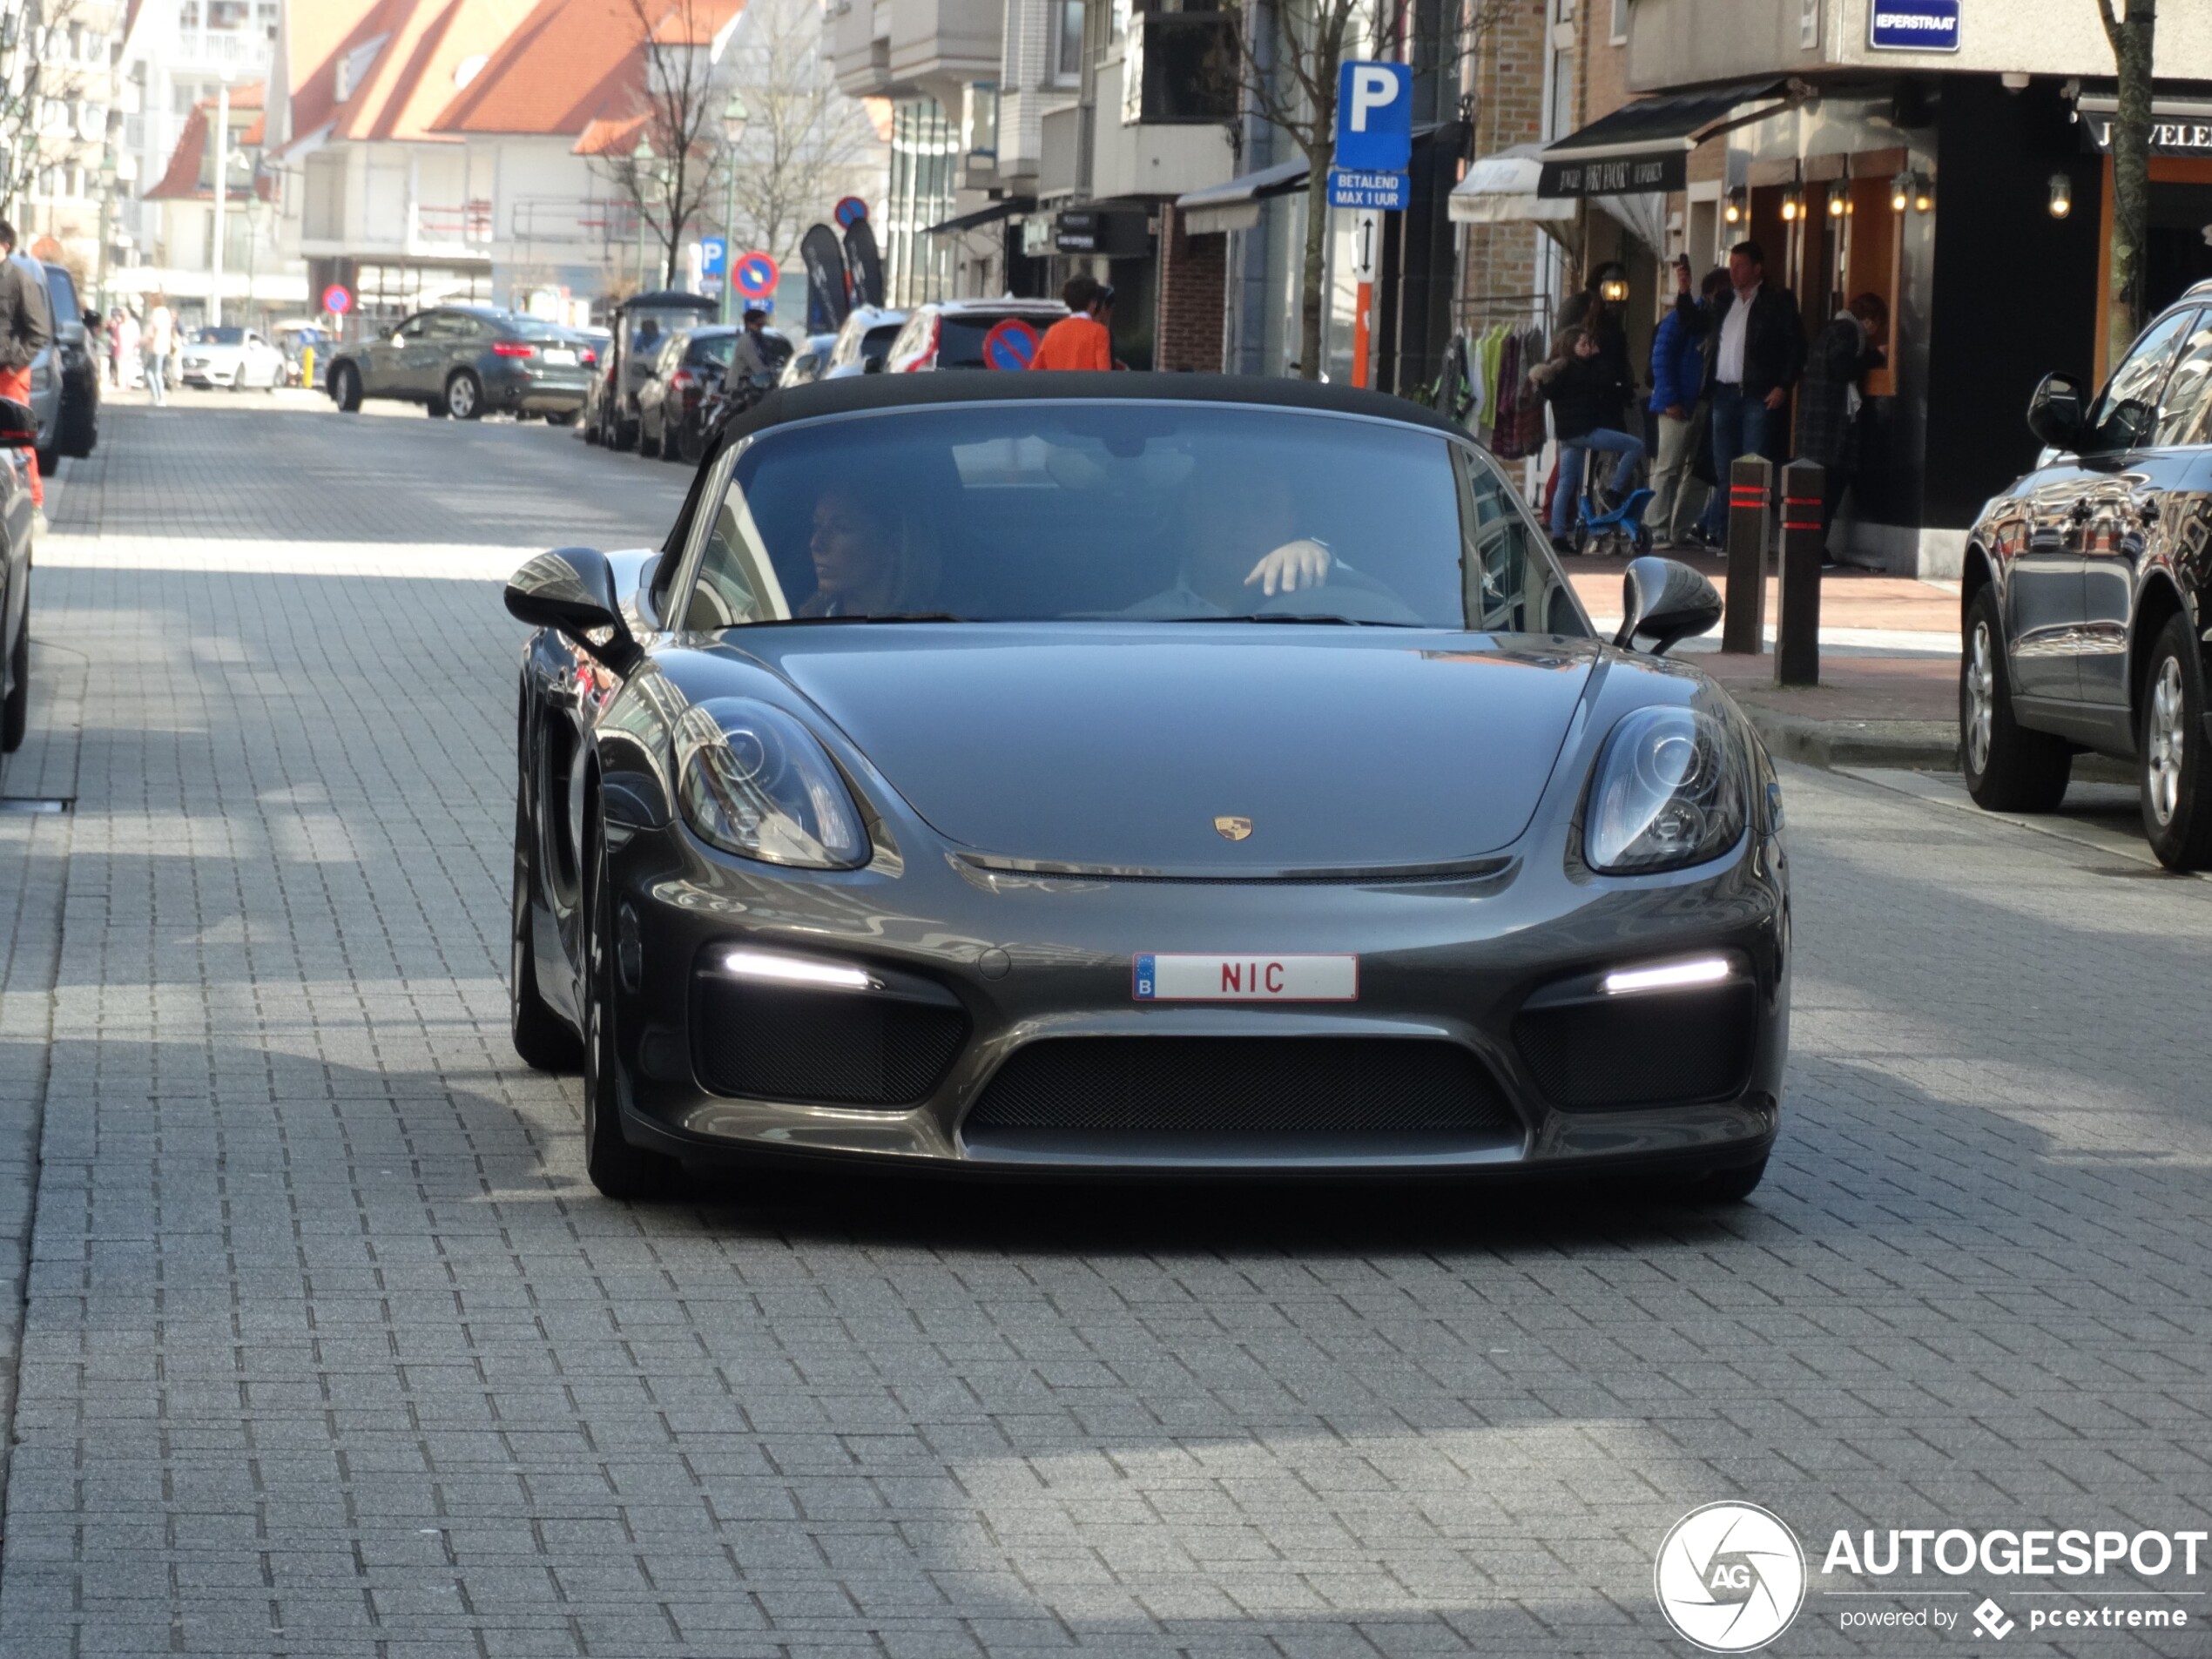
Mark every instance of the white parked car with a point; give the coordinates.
(236, 357)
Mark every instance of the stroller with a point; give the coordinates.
(1617, 531)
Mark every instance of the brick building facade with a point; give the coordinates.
(1508, 109)
(1194, 272)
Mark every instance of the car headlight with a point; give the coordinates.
(753, 781)
(1667, 792)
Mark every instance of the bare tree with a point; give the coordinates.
(1290, 75)
(41, 79)
(665, 167)
(805, 143)
(2131, 37)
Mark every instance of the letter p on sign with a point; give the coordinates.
(1374, 117)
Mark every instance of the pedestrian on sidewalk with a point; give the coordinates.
(1580, 385)
(126, 348)
(1828, 400)
(26, 329)
(160, 341)
(1081, 339)
(1677, 373)
(1755, 349)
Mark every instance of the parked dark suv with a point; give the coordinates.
(2088, 593)
(465, 362)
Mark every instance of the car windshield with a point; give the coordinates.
(219, 337)
(1168, 512)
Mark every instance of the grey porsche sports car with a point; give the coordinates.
(1132, 774)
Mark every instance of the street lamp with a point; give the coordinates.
(734, 124)
(222, 197)
(643, 157)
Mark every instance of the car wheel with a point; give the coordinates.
(346, 389)
(591, 431)
(2009, 768)
(673, 444)
(464, 397)
(15, 709)
(560, 417)
(2176, 783)
(542, 1038)
(616, 1168)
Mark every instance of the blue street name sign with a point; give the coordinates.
(1913, 25)
(1374, 117)
(714, 255)
(1387, 190)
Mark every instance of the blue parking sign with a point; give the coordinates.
(714, 255)
(1374, 117)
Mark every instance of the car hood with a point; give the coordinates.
(1122, 744)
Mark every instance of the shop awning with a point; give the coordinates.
(983, 216)
(1234, 205)
(2181, 125)
(1500, 189)
(1645, 145)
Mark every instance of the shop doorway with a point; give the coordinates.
(2180, 219)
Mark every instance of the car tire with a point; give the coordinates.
(15, 708)
(618, 1169)
(2009, 768)
(465, 395)
(2176, 780)
(542, 1038)
(346, 389)
(560, 417)
(692, 448)
(673, 444)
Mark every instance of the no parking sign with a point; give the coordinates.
(756, 274)
(1011, 344)
(336, 300)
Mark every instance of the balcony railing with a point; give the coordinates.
(221, 46)
(466, 223)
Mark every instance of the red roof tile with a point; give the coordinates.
(181, 182)
(574, 62)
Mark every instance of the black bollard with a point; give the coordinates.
(1797, 642)
(1750, 483)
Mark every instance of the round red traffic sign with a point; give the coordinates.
(756, 274)
(850, 210)
(1011, 344)
(336, 300)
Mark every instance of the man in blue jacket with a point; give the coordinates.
(1677, 369)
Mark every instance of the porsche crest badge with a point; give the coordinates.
(1233, 829)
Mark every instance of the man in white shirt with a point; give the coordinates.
(1755, 351)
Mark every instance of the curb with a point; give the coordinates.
(1908, 745)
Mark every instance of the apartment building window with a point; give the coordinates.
(1621, 20)
(1067, 42)
(1808, 22)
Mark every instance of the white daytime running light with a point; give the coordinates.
(1706, 970)
(795, 970)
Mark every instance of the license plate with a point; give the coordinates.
(562, 359)
(1246, 979)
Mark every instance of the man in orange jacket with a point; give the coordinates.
(1081, 340)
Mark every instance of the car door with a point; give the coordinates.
(2082, 503)
(2136, 508)
(384, 360)
(451, 341)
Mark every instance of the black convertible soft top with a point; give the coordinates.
(860, 392)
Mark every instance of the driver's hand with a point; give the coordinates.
(1290, 567)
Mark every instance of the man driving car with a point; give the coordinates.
(1243, 549)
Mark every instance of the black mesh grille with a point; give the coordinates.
(773, 1042)
(1267, 1084)
(1642, 1050)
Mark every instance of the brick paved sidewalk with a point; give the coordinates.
(331, 1351)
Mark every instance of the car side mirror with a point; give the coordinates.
(571, 590)
(2056, 411)
(1663, 601)
(18, 426)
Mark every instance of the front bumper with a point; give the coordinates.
(1029, 960)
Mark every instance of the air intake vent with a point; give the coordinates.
(828, 1048)
(1267, 1085)
(1656, 1050)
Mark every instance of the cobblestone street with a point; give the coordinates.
(328, 1346)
